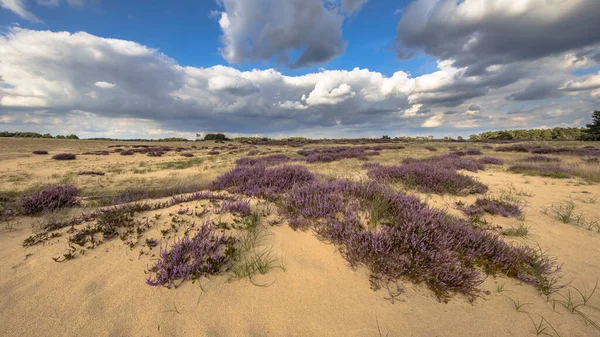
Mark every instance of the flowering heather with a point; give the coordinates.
(542, 159)
(258, 180)
(127, 153)
(428, 177)
(450, 161)
(491, 161)
(487, 147)
(473, 152)
(512, 148)
(156, 153)
(242, 207)
(187, 154)
(97, 153)
(207, 253)
(39, 152)
(493, 207)
(213, 152)
(90, 173)
(265, 161)
(64, 156)
(331, 154)
(552, 171)
(414, 241)
(48, 199)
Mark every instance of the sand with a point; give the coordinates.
(104, 293)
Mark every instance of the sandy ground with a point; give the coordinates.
(104, 293)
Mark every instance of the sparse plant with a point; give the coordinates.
(64, 156)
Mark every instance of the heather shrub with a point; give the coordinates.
(155, 153)
(90, 173)
(39, 152)
(542, 170)
(413, 242)
(513, 148)
(242, 207)
(258, 180)
(127, 153)
(493, 207)
(428, 177)
(431, 148)
(459, 153)
(449, 161)
(487, 147)
(265, 161)
(473, 152)
(97, 153)
(64, 156)
(213, 152)
(48, 199)
(542, 159)
(187, 154)
(491, 161)
(206, 253)
(331, 154)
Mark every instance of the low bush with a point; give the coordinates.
(90, 173)
(39, 152)
(48, 199)
(265, 161)
(206, 253)
(473, 152)
(490, 161)
(258, 180)
(64, 156)
(428, 177)
(493, 207)
(542, 159)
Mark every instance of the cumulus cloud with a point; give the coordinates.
(124, 89)
(481, 33)
(115, 78)
(434, 121)
(255, 30)
(593, 82)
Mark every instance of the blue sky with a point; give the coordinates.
(287, 67)
(187, 32)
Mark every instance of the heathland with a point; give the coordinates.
(299, 238)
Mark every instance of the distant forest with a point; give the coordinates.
(590, 133)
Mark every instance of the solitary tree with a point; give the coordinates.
(593, 129)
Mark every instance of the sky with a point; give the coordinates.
(312, 68)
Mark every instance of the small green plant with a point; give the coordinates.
(519, 230)
(518, 305)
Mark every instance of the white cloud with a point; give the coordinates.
(71, 75)
(434, 121)
(104, 85)
(18, 7)
(592, 82)
(255, 30)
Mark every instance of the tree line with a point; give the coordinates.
(590, 132)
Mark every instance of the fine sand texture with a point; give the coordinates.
(312, 292)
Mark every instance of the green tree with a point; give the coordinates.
(593, 129)
(215, 136)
